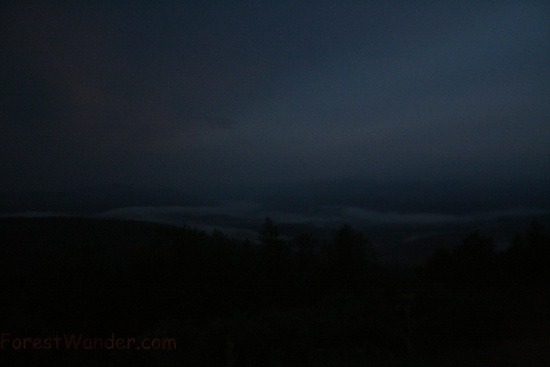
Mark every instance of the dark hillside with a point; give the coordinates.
(298, 302)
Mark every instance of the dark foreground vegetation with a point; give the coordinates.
(303, 302)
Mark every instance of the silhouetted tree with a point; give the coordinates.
(276, 265)
(472, 263)
(527, 260)
(269, 234)
(351, 256)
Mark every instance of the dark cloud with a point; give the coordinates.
(208, 95)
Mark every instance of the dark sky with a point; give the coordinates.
(212, 94)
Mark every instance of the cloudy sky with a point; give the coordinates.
(207, 95)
